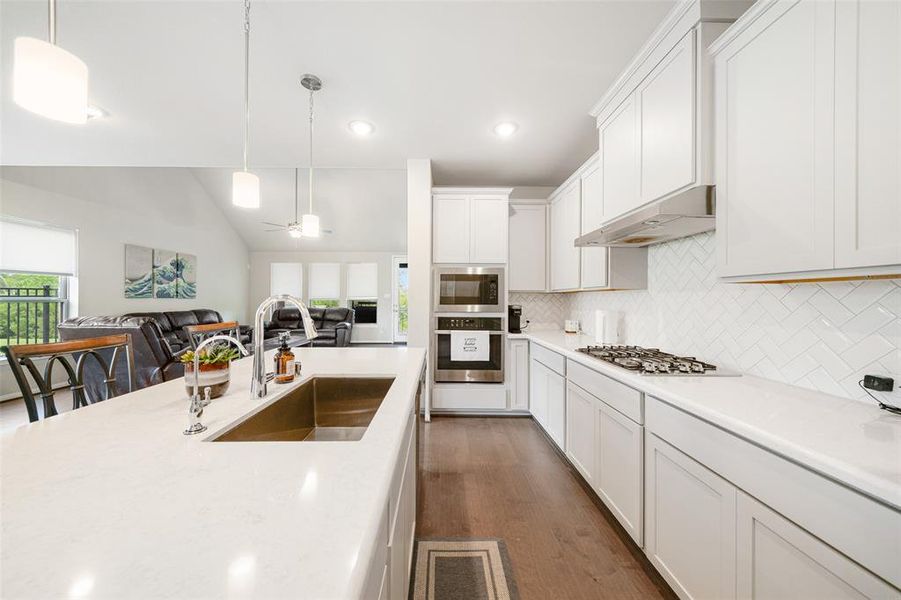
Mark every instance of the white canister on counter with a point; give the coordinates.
(608, 327)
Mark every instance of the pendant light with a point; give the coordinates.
(309, 223)
(295, 229)
(48, 80)
(246, 185)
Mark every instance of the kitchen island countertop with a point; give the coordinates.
(113, 501)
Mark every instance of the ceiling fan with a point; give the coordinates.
(308, 225)
(295, 228)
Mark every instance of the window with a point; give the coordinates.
(363, 291)
(286, 278)
(37, 264)
(325, 285)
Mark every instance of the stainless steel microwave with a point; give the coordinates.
(469, 289)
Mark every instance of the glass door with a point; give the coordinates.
(400, 283)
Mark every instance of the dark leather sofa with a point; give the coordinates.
(173, 322)
(334, 325)
(158, 339)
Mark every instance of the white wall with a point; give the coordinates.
(380, 332)
(111, 207)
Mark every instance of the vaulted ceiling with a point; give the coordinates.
(434, 78)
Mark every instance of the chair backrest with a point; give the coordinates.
(21, 361)
(197, 333)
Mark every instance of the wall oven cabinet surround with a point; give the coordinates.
(809, 140)
(527, 264)
(469, 290)
(481, 371)
(469, 225)
(517, 374)
(655, 124)
(575, 207)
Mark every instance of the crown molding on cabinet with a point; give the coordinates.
(481, 191)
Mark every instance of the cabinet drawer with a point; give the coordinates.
(858, 526)
(549, 358)
(621, 397)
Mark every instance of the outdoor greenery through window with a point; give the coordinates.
(324, 303)
(31, 307)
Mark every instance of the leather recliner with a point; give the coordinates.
(334, 325)
(154, 360)
(173, 322)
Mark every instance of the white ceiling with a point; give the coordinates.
(366, 208)
(434, 77)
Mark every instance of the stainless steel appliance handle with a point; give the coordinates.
(446, 331)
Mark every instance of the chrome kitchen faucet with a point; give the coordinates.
(195, 410)
(258, 383)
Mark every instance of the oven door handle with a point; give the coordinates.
(447, 331)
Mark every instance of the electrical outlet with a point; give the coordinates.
(878, 383)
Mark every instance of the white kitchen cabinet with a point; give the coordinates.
(527, 263)
(619, 468)
(469, 225)
(518, 374)
(775, 145)
(450, 231)
(402, 523)
(488, 230)
(666, 105)
(618, 143)
(538, 392)
(868, 133)
(593, 273)
(556, 408)
(690, 523)
(565, 228)
(580, 431)
(778, 559)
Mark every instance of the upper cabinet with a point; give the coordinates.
(565, 228)
(655, 124)
(577, 207)
(808, 148)
(469, 225)
(527, 265)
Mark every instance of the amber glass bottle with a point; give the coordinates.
(284, 362)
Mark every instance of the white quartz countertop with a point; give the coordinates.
(113, 501)
(846, 440)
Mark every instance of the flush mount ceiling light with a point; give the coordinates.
(505, 129)
(246, 185)
(48, 80)
(361, 128)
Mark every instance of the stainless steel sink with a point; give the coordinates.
(322, 409)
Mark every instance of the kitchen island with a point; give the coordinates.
(113, 501)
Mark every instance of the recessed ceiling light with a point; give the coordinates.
(95, 112)
(505, 129)
(361, 128)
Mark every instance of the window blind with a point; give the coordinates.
(362, 280)
(286, 278)
(325, 281)
(31, 248)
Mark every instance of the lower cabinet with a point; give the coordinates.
(402, 505)
(690, 523)
(778, 559)
(538, 391)
(518, 375)
(619, 468)
(580, 431)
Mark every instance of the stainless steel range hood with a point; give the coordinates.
(690, 212)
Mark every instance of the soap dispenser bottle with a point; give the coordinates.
(284, 361)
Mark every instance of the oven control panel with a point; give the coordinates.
(470, 323)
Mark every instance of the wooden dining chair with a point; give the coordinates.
(73, 356)
(198, 333)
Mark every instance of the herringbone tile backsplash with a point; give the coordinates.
(823, 336)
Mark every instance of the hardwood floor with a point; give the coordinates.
(501, 477)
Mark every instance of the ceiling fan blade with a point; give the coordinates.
(274, 224)
(273, 230)
(328, 231)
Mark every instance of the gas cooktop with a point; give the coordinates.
(651, 361)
